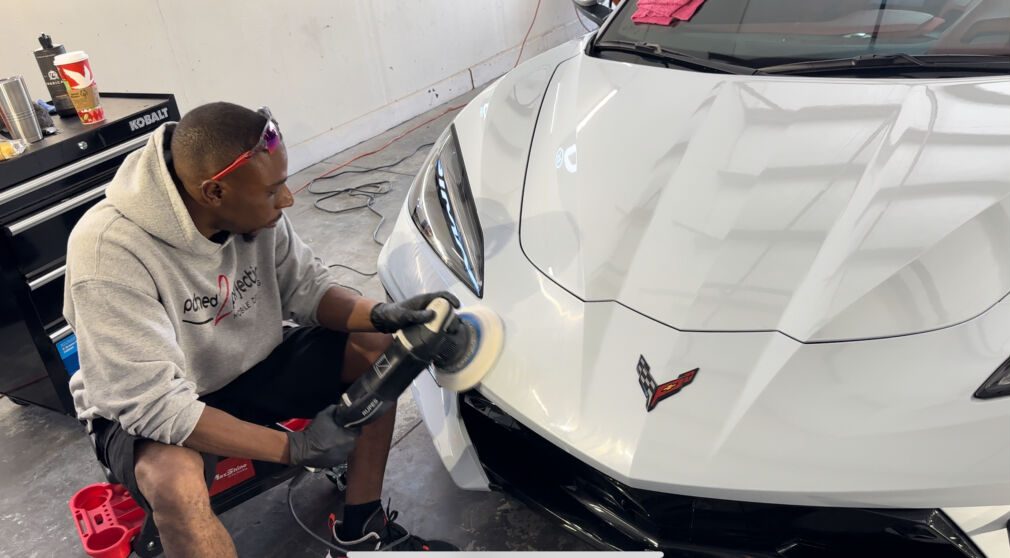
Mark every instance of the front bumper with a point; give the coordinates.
(882, 423)
(612, 515)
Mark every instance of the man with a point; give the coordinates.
(177, 286)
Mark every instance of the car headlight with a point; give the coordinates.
(442, 207)
(997, 385)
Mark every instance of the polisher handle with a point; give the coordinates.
(425, 340)
(377, 390)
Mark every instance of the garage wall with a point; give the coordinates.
(334, 72)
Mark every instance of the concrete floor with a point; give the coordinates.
(45, 457)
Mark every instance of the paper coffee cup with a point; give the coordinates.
(75, 71)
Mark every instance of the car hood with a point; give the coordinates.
(825, 209)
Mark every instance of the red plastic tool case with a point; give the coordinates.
(107, 518)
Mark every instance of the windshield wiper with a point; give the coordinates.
(905, 62)
(663, 54)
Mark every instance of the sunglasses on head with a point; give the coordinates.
(270, 140)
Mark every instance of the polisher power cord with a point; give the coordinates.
(463, 346)
(373, 393)
(291, 506)
(369, 191)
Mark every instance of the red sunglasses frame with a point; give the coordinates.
(270, 139)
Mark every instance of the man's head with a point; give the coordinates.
(246, 199)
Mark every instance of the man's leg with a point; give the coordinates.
(171, 478)
(367, 465)
(364, 525)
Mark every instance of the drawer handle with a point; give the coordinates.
(31, 221)
(60, 333)
(48, 278)
(32, 185)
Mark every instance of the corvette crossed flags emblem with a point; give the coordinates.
(655, 393)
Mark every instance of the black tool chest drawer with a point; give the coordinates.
(43, 193)
(40, 240)
(47, 297)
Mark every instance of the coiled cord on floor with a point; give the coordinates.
(291, 506)
(359, 272)
(369, 192)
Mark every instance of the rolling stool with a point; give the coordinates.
(106, 517)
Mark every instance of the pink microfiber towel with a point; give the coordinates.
(664, 12)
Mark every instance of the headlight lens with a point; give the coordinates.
(442, 207)
(997, 385)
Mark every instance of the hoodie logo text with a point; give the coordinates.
(233, 298)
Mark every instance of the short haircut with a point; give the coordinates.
(211, 136)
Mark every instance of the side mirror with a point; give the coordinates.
(593, 10)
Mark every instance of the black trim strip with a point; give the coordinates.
(611, 515)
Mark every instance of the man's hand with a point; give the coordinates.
(388, 317)
(323, 444)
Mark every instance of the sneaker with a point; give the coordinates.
(381, 532)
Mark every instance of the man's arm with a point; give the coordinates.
(324, 443)
(219, 433)
(342, 310)
(310, 295)
(131, 363)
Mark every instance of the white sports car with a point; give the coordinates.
(753, 269)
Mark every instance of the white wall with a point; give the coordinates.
(334, 72)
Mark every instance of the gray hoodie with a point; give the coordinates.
(162, 314)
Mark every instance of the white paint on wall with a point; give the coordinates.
(334, 72)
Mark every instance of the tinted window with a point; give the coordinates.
(766, 32)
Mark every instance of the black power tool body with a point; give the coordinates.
(462, 346)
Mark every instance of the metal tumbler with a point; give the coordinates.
(17, 111)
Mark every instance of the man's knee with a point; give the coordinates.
(362, 350)
(372, 344)
(171, 478)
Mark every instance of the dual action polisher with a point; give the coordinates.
(463, 346)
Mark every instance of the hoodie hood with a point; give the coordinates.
(145, 193)
(825, 209)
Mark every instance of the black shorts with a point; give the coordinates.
(300, 378)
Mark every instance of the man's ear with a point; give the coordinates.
(211, 193)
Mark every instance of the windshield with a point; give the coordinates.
(760, 33)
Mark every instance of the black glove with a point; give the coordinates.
(388, 317)
(323, 444)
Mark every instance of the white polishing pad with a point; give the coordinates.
(490, 339)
